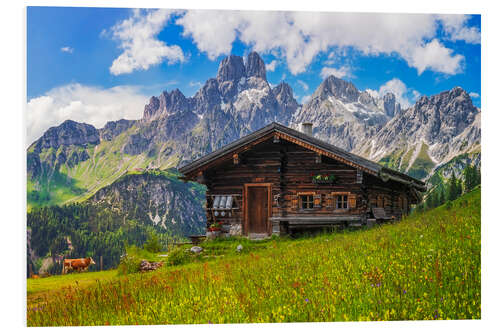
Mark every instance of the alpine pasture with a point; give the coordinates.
(426, 267)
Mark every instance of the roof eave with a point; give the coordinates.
(370, 166)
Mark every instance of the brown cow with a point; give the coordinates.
(78, 264)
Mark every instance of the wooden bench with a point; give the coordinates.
(299, 222)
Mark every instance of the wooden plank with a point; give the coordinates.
(310, 219)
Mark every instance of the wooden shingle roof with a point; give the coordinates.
(309, 142)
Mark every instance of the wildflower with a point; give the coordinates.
(307, 299)
(404, 291)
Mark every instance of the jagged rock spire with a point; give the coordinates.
(231, 68)
(255, 66)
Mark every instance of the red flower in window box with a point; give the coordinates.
(323, 178)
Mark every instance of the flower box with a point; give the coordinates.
(323, 178)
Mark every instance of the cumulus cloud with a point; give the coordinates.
(455, 27)
(299, 37)
(474, 94)
(404, 95)
(304, 85)
(81, 103)
(270, 67)
(137, 37)
(305, 99)
(341, 72)
(436, 57)
(67, 49)
(373, 93)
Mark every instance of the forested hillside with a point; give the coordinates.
(127, 212)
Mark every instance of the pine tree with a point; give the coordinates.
(477, 176)
(441, 197)
(459, 187)
(452, 187)
(469, 178)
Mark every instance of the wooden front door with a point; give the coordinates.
(257, 209)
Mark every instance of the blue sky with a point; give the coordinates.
(99, 64)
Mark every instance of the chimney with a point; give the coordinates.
(306, 128)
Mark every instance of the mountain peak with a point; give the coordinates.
(456, 99)
(255, 66)
(68, 133)
(284, 95)
(391, 106)
(340, 89)
(151, 108)
(231, 68)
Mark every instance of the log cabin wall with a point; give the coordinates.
(392, 196)
(286, 162)
(302, 166)
(290, 169)
(258, 165)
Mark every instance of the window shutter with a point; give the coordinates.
(317, 201)
(329, 201)
(352, 200)
(295, 202)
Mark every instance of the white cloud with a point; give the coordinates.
(137, 36)
(305, 99)
(299, 37)
(436, 57)
(87, 104)
(341, 72)
(373, 93)
(304, 85)
(455, 27)
(195, 84)
(212, 30)
(474, 94)
(270, 67)
(67, 49)
(404, 95)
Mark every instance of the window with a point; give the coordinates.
(341, 202)
(306, 202)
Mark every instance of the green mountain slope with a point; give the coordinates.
(59, 176)
(126, 211)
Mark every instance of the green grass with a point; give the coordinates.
(392, 160)
(422, 165)
(42, 285)
(76, 183)
(425, 267)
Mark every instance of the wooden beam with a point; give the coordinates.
(236, 159)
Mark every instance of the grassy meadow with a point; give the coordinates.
(426, 267)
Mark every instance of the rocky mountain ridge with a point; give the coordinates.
(76, 160)
(156, 198)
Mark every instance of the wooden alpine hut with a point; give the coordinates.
(277, 180)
